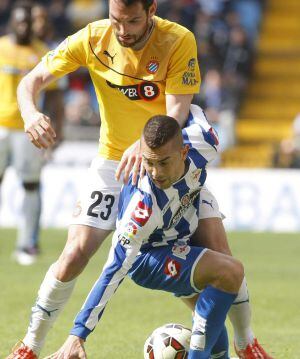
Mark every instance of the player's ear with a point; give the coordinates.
(152, 9)
(185, 150)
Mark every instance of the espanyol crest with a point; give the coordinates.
(152, 66)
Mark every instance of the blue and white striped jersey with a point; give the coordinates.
(151, 217)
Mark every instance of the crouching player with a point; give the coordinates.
(156, 219)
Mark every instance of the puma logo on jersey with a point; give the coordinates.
(106, 53)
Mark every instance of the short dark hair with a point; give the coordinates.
(146, 3)
(22, 4)
(161, 129)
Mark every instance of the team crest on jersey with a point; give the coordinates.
(196, 175)
(141, 214)
(77, 209)
(146, 90)
(181, 251)
(185, 202)
(172, 268)
(152, 66)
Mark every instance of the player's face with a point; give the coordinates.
(21, 25)
(131, 24)
(164, 165)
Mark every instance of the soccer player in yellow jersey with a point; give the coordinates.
(19, 54)
(140, 65)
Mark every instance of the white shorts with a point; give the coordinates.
(18, 151)
(98, 202)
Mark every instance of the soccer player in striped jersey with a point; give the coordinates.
(140, 66)
(156, 219)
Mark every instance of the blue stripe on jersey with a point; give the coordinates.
(156, 236)
(181, 187)
(183, 228)
(209, 137)
(126, 194)
(98, 290)
(161, 197)
(167, 218)
(197, 158)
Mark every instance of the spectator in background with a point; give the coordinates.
(250, 13)
(52, 100)
(288, 153)
(19, 54)
(236, 68)
(4, 15)
(81, 12)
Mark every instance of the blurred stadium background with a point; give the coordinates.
(249, 54)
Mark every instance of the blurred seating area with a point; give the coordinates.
(249, 54)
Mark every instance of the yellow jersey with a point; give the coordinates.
(130, 85)
(15, 61)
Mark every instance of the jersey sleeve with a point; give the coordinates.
(200, 135)
(69, 55)
(183, 75)
(133, 229)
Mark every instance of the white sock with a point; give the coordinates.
(240, 317)
(52, 297)
(29, 222)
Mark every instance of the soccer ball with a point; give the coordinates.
(171, 341)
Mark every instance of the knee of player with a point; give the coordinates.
(219, 270)
(72, 261)
(232, 274)
(31, 186)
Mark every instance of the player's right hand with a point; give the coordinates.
(39, 130)
(72, 348)
(130, 162)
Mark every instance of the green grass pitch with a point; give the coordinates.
(273, 274)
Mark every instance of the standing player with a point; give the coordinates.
(140, 65)
(151, 242)
(19, 54)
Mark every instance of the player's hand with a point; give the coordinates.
(39, 130)
(73, 348)
(130, 161)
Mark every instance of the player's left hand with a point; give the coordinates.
(130, 162)
(73, 348)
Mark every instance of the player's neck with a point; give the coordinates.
(145, 38)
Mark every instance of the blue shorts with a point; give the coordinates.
(169, 268)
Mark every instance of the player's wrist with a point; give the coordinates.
(80, 331)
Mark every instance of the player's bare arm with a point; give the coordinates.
(177, 106)
(36, 124)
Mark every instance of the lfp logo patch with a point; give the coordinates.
(152, 66)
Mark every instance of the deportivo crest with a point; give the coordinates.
(181, 251)
(141, 213)
(152, 66)
(196, 174)
(185, 202)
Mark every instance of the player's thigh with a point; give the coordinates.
(4, 149)
(97, 206)
(27, 159)
(169, 268)
(210, 232)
